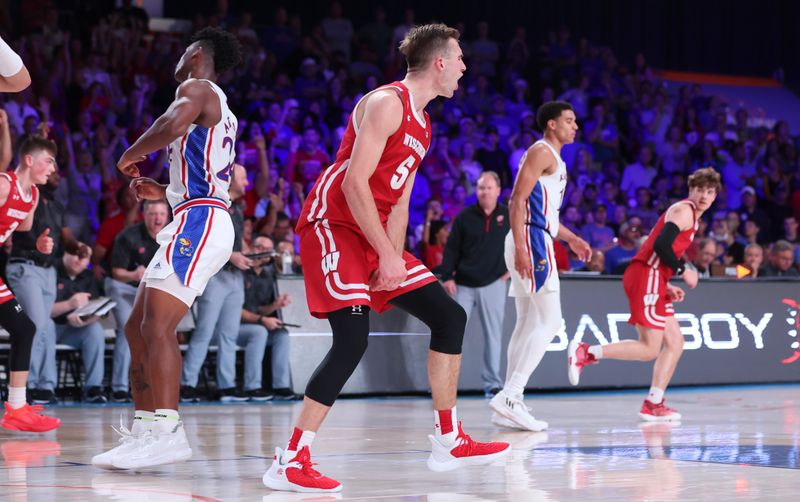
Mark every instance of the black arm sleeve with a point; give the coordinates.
(663, 247)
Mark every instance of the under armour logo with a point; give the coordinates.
(356, 310)
(408, 118)
(18, 308)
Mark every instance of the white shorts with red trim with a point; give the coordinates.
(195, 245)
(338, 263)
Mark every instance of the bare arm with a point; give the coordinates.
(579, 246)
(5, 141)
(15, 76)
(382, 117)
(537, 161)
(397, 225)
(28, 223)
(5, 188)
(193, 104)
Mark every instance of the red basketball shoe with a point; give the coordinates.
(466, 451)
(298, 475)
(578, 356)
(659, 412)
(28, 419)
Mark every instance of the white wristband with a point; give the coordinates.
(10, 62)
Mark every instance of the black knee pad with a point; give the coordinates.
(21, 331)
(350, 327)
(447, 320)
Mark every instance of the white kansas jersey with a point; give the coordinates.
(546, 197)
(201, 161)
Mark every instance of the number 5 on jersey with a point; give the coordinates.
(401, 173)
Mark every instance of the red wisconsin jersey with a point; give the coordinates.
(401, 156)
(648, 256)
(16, 208)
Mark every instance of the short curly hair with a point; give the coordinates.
(225, 48)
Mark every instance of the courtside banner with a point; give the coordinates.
(735, 332)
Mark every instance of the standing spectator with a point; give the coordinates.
(75, 287)
(219, 310)
(485, 52)
(131, 252)
(737, 175)
(474, 271)
(644, 208)
(434, 240)
(674, 153)
(640, 173)
(338, 31)
(262, 326)
(781, 261)
(749, 211)
(619, 256)
(304, 165)
(494, 158)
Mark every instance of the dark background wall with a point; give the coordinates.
(733, 37)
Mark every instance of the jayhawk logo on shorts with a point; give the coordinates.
(541, 265)
(185, 247)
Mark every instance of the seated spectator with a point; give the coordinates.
(434, 239)
(597, 263)
(753, 258)
(790, 233)
(132, 251)
(618, 257)
(781, 261)
(304, 164)
(111, 227)
(706, 254)
(290, 262)
(75, 287)
(597, 234)
(262, 326)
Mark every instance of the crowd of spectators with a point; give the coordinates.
(100, 78)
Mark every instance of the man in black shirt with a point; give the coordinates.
(75, 287)
(32, 277)
(262, 324)
(133, 249)
(473, 270)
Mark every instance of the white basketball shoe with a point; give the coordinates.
(156, 448)
(514, 410)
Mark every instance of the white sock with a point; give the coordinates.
(596, 351)
(142, 421)
(515, 385)
(656, 395)
(440, 419)
(306, 438)
(16, 397)
(165, 420)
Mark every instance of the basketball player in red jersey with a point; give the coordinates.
(18, 199)
(646, 283)
(352, 231)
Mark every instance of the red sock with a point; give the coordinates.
(445, 420)
(295, 439)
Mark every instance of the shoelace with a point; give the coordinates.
(125, 434)
(306, 464)
(465, 440)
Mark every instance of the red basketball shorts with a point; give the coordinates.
(338, 263)
(646, 289)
